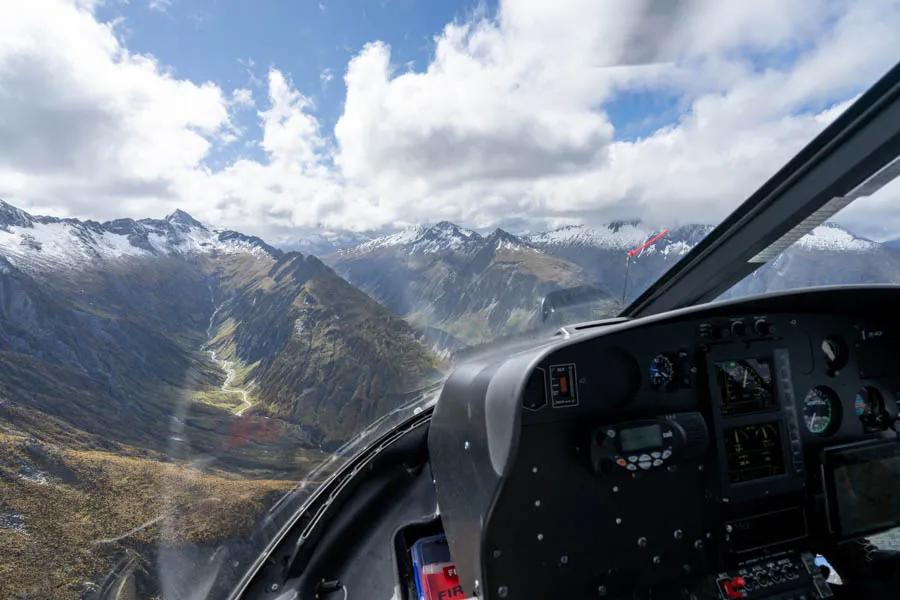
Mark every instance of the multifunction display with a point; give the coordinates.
(754, 452)
(745, 385)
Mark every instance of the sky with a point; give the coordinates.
(285, 118)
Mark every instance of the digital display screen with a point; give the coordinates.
(866, 495)
(745, 385)
(636, 438)
(754, 452)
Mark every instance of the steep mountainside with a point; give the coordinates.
(457, 282)
(317, 350)
(105, 325)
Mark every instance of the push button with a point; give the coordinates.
(656, 454)
(644, 457)
(644, 465)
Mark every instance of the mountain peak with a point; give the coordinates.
(180, 217)
(448, 229)
(12, 216)
(833, 237)
(500, 239)
(442, 236)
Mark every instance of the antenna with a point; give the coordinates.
(634, 252)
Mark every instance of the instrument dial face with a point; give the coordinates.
(870, 409)
(662, 371)
(821, 410)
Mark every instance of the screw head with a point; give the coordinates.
(540, 537)
(642, 542)
(564, 559)
(502, 591)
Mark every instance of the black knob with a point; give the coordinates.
(738, 329)
(762, 327)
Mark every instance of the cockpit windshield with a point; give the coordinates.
(241, 242)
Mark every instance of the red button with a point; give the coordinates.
(734, 588)
(621, 462)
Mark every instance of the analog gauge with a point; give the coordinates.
(662, 372)
(870, 409)
(835, 352)
(821, 410)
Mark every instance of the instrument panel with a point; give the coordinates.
(652, 452)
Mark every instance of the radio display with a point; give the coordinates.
(745, 385)
(636, 438)
(754, 452)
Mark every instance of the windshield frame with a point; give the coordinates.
(841, 160)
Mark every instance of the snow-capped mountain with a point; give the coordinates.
(602, 251)
(828, 255)
(449, 279)
(39, 243)
(834, 238)
(418, 239)
(621, 236)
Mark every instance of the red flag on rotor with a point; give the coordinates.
(648, 243)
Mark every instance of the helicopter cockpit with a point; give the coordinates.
(740, 448)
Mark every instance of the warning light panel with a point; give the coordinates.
(563, 386)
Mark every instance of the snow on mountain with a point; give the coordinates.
(503, 240)
(442, 237)
(38, 243)
(398, 238)
(834, 238)
(620, 236)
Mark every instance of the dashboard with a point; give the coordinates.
(711, 451)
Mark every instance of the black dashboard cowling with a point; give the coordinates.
(528, 512)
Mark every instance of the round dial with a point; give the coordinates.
(870, 409)
(662, 371)
(821, 410)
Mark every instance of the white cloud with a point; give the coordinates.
(88, 127)
(242, 98)
(506, 124)
(159, 5)
(326, 76)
